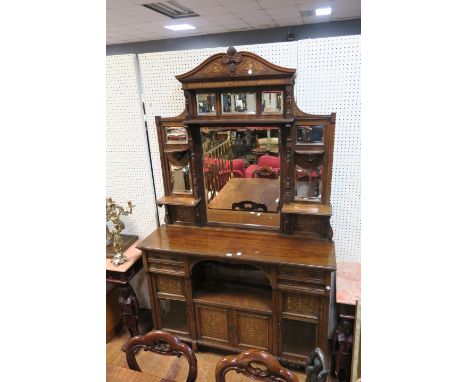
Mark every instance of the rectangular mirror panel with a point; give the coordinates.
(309, 183)
(310, 134)
(206, 104)
(239, 103)
(180, 179)
(242, 174)
(272, 102)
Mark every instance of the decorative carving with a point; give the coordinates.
(222, 84)
(255, 364)
(183, 214)
(250, 64)
(232, 58)
(214, 68)
(253, 331)
(130, 308)
(161, 343)
(214, 323)
(169, 285)
(288, 99)
(316, 367)
(302, 305)
(187, 104)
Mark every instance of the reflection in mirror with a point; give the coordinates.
(176, 135)
(272, 102)
(309, 183)
(239, 103)
(180, 179)
(310, 134)
(206, 103)
(242, 175)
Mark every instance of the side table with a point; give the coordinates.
(136, 320)
(348, 291)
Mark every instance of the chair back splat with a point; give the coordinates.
(163, 343)
(255, 364)
(316, 367)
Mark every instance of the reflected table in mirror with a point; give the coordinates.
(258, 190)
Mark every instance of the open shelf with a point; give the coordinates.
(178, 200)
(235, 296)
(307, 209)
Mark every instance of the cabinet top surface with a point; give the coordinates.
(242, 245)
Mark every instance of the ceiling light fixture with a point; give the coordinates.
(323, 11)
(179, 27)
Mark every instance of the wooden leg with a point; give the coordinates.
(130, 308)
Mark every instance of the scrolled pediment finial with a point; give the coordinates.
(232, 57)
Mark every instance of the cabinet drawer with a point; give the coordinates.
(170, 285)
(158, 263)
(301, 274)
(301, 305)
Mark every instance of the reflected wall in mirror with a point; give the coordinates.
(238, 103)
(272, 102)
(310, 134)
(242, 175)
(176, 135)
(206, 104)
(180, 179)
(309, 183)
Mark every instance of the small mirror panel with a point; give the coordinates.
(310, 134)
(206, 104)
(272, 102)
(176, 135)
(309, 183)
(180, 179)
(239, 103)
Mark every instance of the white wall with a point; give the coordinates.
(328, 80)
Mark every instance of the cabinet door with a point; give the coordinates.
(212, 324)
(252, 330)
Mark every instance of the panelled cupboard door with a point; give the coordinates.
(212, 324)
(252, 330)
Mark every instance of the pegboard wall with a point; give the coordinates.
(328, 80)
(128, 170)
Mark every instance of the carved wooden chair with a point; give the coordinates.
(255, 364)
(266, 172)
(316, 367)
(248, 205)
(160, 342)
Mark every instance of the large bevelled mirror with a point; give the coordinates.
(242, 175)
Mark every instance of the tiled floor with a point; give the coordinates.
(172, 367)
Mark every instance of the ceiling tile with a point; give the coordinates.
(242, 7)
(266, 4)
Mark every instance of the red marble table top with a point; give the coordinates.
(348, 282)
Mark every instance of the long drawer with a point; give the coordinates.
(165, 263)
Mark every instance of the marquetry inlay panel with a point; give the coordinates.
(214, 323)
(253, 331)
(168, 284)
(306, 305)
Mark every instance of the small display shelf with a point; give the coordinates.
(235, 296)
(178, 200)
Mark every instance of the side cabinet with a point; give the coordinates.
(303, 312)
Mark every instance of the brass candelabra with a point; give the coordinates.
(113, 214)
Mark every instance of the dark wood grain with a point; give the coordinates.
(254, 364)
(263, 247)
(163, 343)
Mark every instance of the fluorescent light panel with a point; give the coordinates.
(323, 11)
(179, 27)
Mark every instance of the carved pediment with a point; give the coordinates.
(233, 64)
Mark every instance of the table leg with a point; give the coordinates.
(130, 309)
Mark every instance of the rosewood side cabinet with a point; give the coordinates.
(246, 255)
